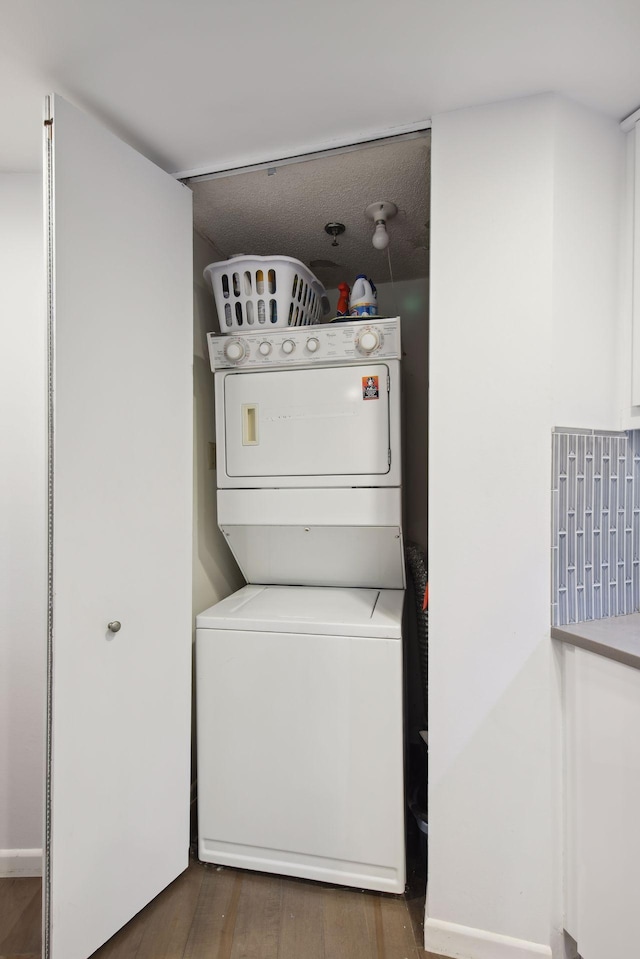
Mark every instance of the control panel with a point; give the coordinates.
(323, 345)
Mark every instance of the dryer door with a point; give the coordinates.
(331, 422)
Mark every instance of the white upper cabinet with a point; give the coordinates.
(635, 328)
(629, 267)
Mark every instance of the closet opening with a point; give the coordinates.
(314, 209)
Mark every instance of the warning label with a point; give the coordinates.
(370, 389)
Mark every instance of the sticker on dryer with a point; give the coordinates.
(370, 389)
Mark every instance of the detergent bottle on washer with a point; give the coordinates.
(343, 302)
(364, 300)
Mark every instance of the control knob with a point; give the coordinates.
(288, 346)
(234, 351)
(312, 344)
(368, 341)
(264, 348)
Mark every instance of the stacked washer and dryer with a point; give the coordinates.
(300, 673)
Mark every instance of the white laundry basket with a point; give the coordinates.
(265, 291)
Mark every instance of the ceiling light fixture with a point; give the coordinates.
(335, 229)
(380, 212)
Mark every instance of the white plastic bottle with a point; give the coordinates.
(363, 301)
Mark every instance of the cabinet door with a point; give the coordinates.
(602, 786)
(120, 444)
(635, 335)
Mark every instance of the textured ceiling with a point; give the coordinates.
(285, 213)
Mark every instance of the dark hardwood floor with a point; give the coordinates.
(20, 911)
(215, 913)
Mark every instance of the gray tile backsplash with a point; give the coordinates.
(595, 517)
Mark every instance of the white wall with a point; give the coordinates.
(215, 572)
(410, 300)
(23, 561)
(514, 289)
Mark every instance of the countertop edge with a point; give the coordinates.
(608, 650)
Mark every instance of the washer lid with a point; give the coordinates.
(312, 610)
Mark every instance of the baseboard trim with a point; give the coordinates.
(20, 862)
(341, 872)
(462, 942)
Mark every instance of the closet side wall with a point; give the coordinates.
(410, 300)
(215, 572)
(526, 213)
(23, 554)
(491, 803)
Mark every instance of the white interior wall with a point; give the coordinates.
(409, 299)
(490, 462)
(215, 572)
(516, 279)
(23, 558)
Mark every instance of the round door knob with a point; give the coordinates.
(312, 344)
(288, 346)
(114, 626)
(368, 341)
(265, 348)
(234, 351)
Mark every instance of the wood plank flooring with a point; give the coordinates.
(20, 911)
(215, 913)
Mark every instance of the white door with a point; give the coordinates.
(120, 336)
(313, 422)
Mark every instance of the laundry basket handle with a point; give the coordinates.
(322, 296)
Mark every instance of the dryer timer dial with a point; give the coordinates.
(368, 341)
(234, 351)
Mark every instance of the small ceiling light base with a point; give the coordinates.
(380, 212)
(335, 229)
(383, 210)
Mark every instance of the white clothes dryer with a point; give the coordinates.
(309, 453)
(300, 734)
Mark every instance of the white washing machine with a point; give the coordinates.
(299, 678)
(300, 734)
